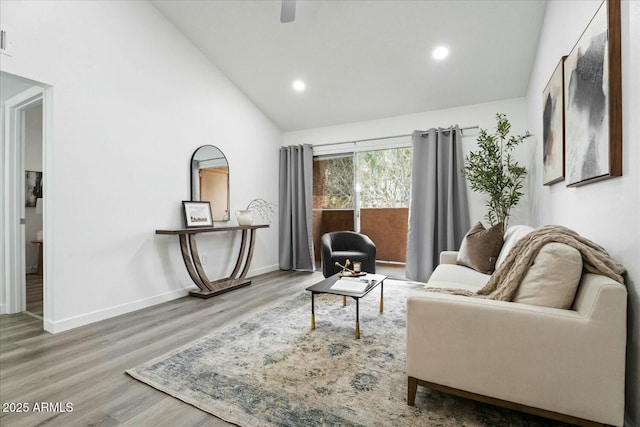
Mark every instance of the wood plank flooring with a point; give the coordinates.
(85, 366)
(34, 294)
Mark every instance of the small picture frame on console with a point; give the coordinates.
(197, 214)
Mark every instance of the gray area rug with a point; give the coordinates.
(272, 370)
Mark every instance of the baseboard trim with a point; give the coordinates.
(55, 327)
(96, 316)
(263, 270)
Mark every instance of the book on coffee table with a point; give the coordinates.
(357, 284)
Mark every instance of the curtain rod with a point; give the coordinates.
(389, 137)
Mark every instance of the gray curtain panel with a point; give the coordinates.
(439, 211)
(296, 192)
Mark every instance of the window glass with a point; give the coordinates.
(384, 178)
(333, 182)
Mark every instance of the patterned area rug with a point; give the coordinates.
(272, 370)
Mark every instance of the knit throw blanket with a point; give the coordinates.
(504, 282)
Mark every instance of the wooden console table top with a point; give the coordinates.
(197, 230)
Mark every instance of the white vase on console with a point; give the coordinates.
(245, 217)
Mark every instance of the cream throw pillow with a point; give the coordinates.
(511, 237)
(553, 278)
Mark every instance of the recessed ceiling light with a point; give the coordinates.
(299, 85)
(440, 53)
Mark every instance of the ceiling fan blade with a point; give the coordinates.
(288, 11)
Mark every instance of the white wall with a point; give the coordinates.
(32, 162)
(607, 212)
(131, 100)
(483, 115)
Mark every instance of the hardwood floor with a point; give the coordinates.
(85, 366)
(34, 294)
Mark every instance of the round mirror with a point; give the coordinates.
(210, 180)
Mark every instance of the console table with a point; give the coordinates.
(189, 249)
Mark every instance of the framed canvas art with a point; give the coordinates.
(197, 214)
(553, 127)
(33, 188)
(593, 100)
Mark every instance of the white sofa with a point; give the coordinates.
(562, 364)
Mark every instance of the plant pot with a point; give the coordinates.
(244, 217)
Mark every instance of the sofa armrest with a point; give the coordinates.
(542, 357)
(448, 257)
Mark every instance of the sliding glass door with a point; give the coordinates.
(383, 189)
(367, 191)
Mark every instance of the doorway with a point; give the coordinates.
(22, 220)
(34, 208)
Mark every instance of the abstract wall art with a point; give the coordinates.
(553, 127)
(593, 100)
(33, 188)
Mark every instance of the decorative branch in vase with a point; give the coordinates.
(263, 208)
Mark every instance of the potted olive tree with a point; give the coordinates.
(493, 171)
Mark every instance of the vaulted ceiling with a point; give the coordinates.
(364, 60)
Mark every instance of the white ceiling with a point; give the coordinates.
(365, 59)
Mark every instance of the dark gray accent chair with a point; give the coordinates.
(342, 245)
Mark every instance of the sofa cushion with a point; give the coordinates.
(480, 248)
(511, 236)
(553, 278)
(458, 277)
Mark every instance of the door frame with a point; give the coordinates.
(13, 214)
